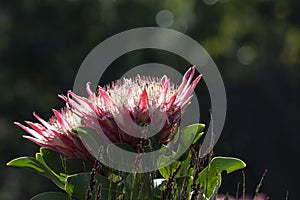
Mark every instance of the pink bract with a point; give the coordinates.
(57, 134)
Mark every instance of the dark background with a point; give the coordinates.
(255, 44)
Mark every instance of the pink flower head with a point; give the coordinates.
(122, 112)
(128, 109)
(56, 134)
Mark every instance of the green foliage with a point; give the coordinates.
(36, 165)
(210, 177)
(167, 171)
(180, 178)
(77, 186)
(184, 138)
(182, 172)
(27, 162)
(64, 166)
(53, 160)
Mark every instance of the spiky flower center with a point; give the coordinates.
(70, 119)
(127, 92)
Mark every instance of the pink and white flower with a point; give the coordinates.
(126, 109)
(122, 112)
(57, 134)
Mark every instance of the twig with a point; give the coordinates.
(237, 190)
(166, 193)
(244, 185)
(132, 186)
(99, 190)
(260, 183)
(96, 169)
(92, 183)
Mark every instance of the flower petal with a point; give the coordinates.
(60, 119)
(165, 86)
(108, 102)
(30, 131)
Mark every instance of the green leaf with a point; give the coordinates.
(38, 157)
(53, 160)
(77, 185)
(191, 132)
(96, 144)
(183, 183)
(92, 139)
(140, 186)
(185, 169)
(51, 196)
(188, 136)
(157, 193)
(60, 165)
(168, 170)
(114, 155)
(28, 162)
(210, 177)
(197, 138)
(38, 166)
(132, 182)
(77, 165)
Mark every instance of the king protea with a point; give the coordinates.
(123, 112)
(57, 134)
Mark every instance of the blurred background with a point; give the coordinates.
(255, 44)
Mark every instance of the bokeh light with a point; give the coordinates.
(164, 18)
(246, 55)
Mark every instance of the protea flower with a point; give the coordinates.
(123, 112)
(129, 110)
(56, 134)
